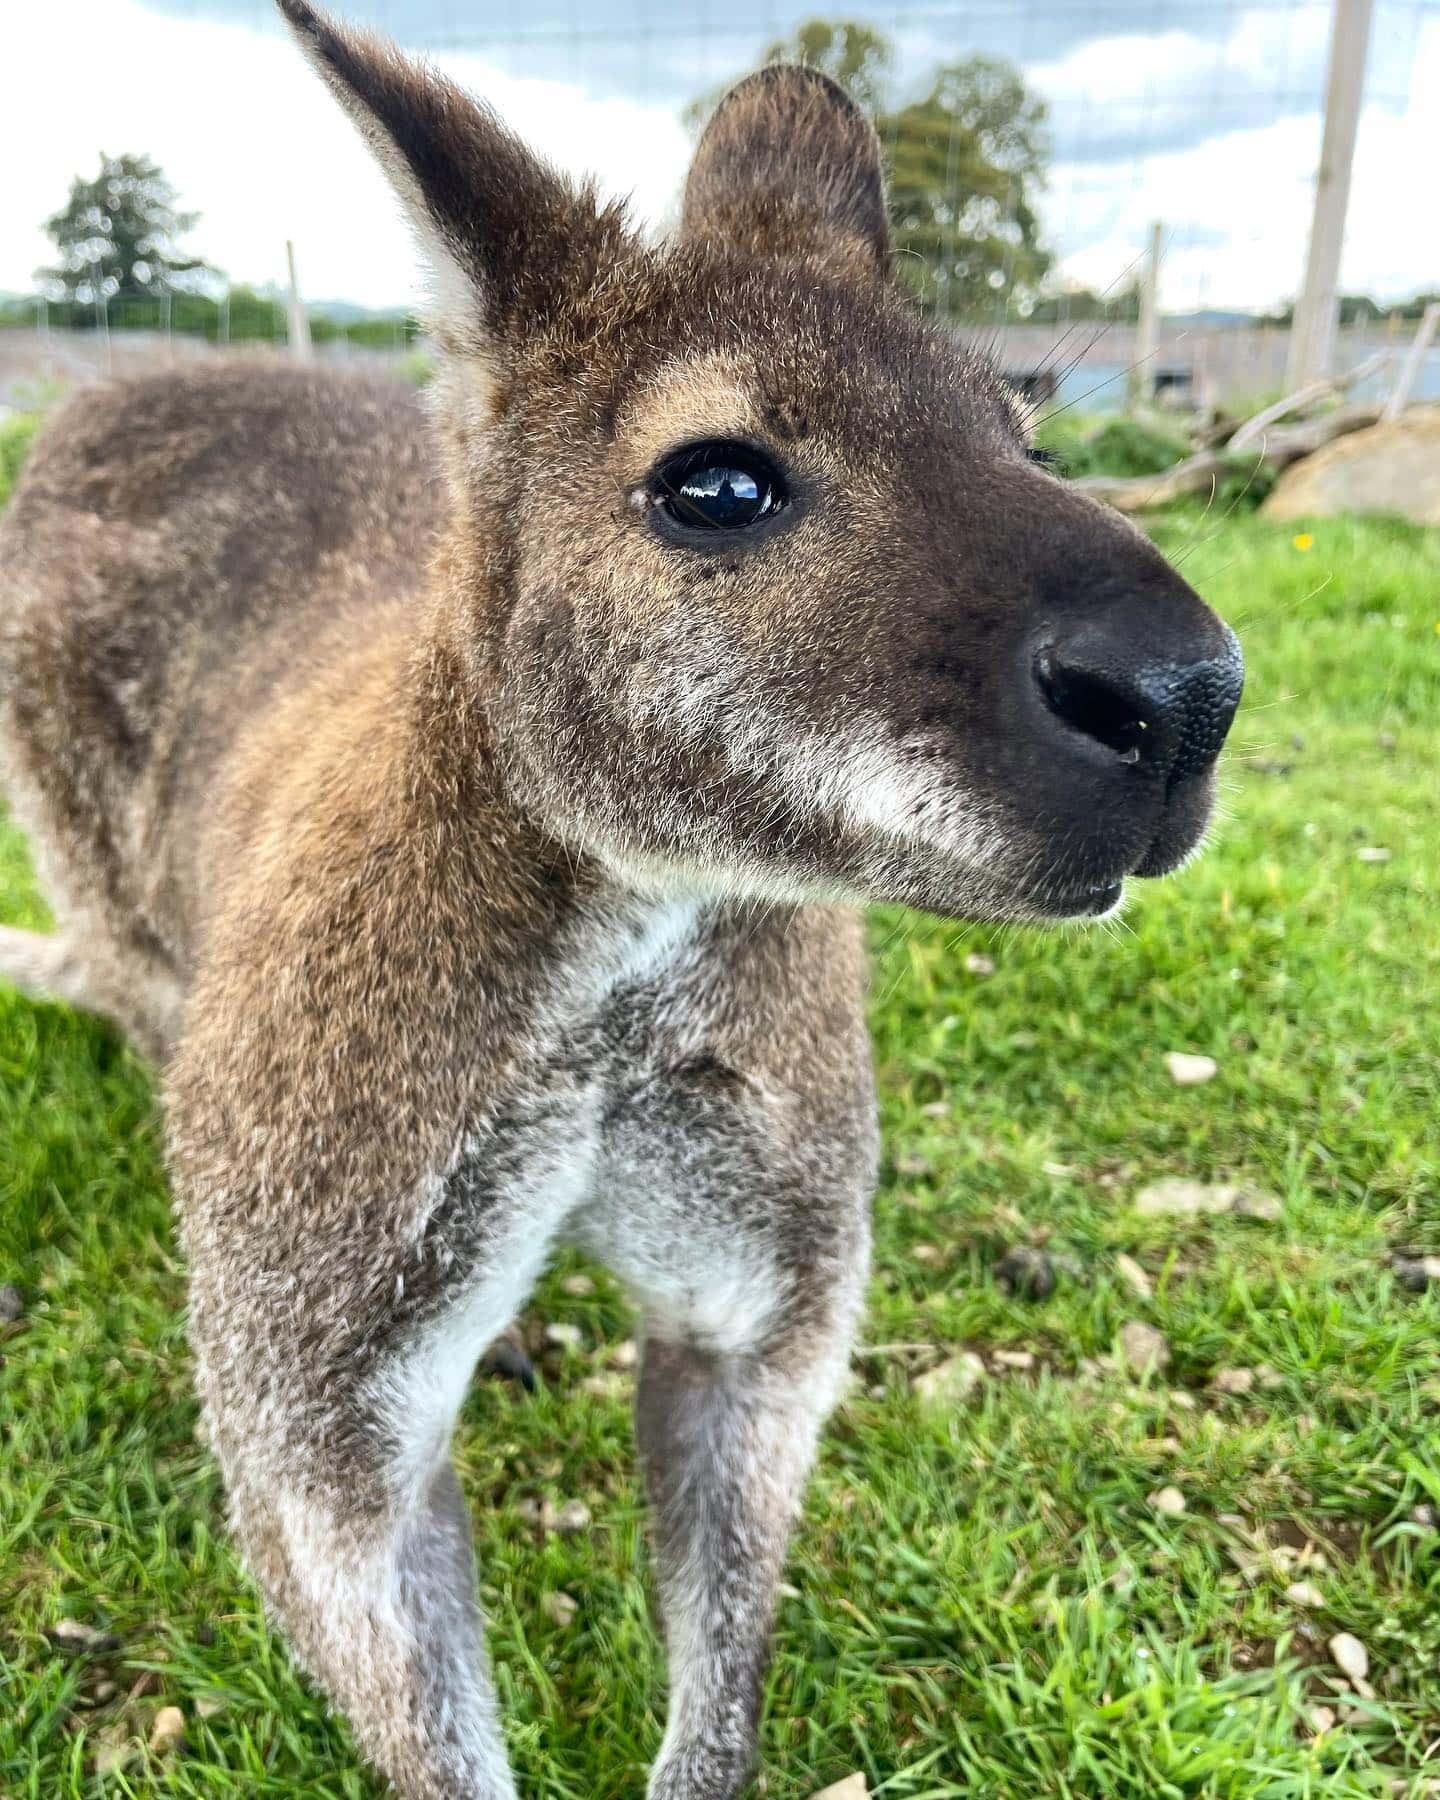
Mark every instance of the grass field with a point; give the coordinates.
(984, 1599)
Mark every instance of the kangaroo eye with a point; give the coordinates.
(717, 487)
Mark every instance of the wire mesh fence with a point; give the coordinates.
(1032, 144)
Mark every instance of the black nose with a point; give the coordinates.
(1167, 705)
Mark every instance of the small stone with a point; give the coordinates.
(1028, 1274)
(1143, 1348)
(1134, 1276)
(1180, 1197)
(1322, 1719)
(626, 1354)
(609, 1384)
(977, 963)
(786, 1590)
(1269, 1377)
(851, 1788)
(567, 1337)
(168, 1731)
(1250, 1203)
(208, 1707)
(567, 1520)
(1015, 1359)
(579, 1287)
(1349, 1656)
(928, 1253)
(951, 1381)
(1304, 1593)
(78, 1639)
(912, 1162)
(559, 1608)
(1386, 740)
(1186, 1070)
(1372, 853)
(1168, 1501)
(103, 1691)
(12, 1304)
(1425, 1514)
(1232, 1381)
(114, 1753)
(1179, 1398)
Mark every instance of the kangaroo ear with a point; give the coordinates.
(505, 237)
(789, 166)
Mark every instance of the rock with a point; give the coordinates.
(1304, 1593)
(951, 1381)
(1372, 853)
(560, 1608)
(1143, 1348)
(168, 1731)
(1269, 1378)
(851, 1788)
(609, 1384)
(976, 963)
(114, 1752)
(1186, 1070)
(12, 1304)
(928, 1253)
(1168, 1501)
(565, 1337)
(1232, 1381)
(626, 1354)
(1426, 1515)
(1349, 1656)
(208, 1707)
(578, 1286)
(1322, 1719)
(1393, 467)
(567, 1520)
(77, 1639)
(1134, 1276)
(1251, 1203)
(103, 1692)
(1183, 1198)
(1022, 1360)
(1028, 1274)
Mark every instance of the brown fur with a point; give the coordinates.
(469, 850)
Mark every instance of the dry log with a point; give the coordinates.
(1199, 474)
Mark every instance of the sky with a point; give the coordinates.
(1204, 114)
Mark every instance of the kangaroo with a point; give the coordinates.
(471, 813)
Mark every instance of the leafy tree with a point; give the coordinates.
(117, 235)
(966, 161)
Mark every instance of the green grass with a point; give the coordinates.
(983, 1601)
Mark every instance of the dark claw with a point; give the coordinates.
(507, 1359)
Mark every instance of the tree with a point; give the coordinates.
(966, 160)
(117, 235)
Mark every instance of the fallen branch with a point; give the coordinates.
(1200, 473)
(1254, 429)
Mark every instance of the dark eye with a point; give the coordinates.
(717, 487)
(1047, 459)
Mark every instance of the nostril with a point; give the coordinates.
(1104, 710)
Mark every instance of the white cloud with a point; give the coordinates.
(251, 139)
(1175, 125)
(1237, 206)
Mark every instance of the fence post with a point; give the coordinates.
(299, 320)
(1312, 337)
(1414, 362)
(1147, 335)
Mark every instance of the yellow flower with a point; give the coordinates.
(1303, 541)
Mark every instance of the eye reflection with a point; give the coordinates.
(717, 487)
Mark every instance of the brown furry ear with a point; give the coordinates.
(789, 166)
(504, 235)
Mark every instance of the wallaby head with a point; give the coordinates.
(752, 572)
